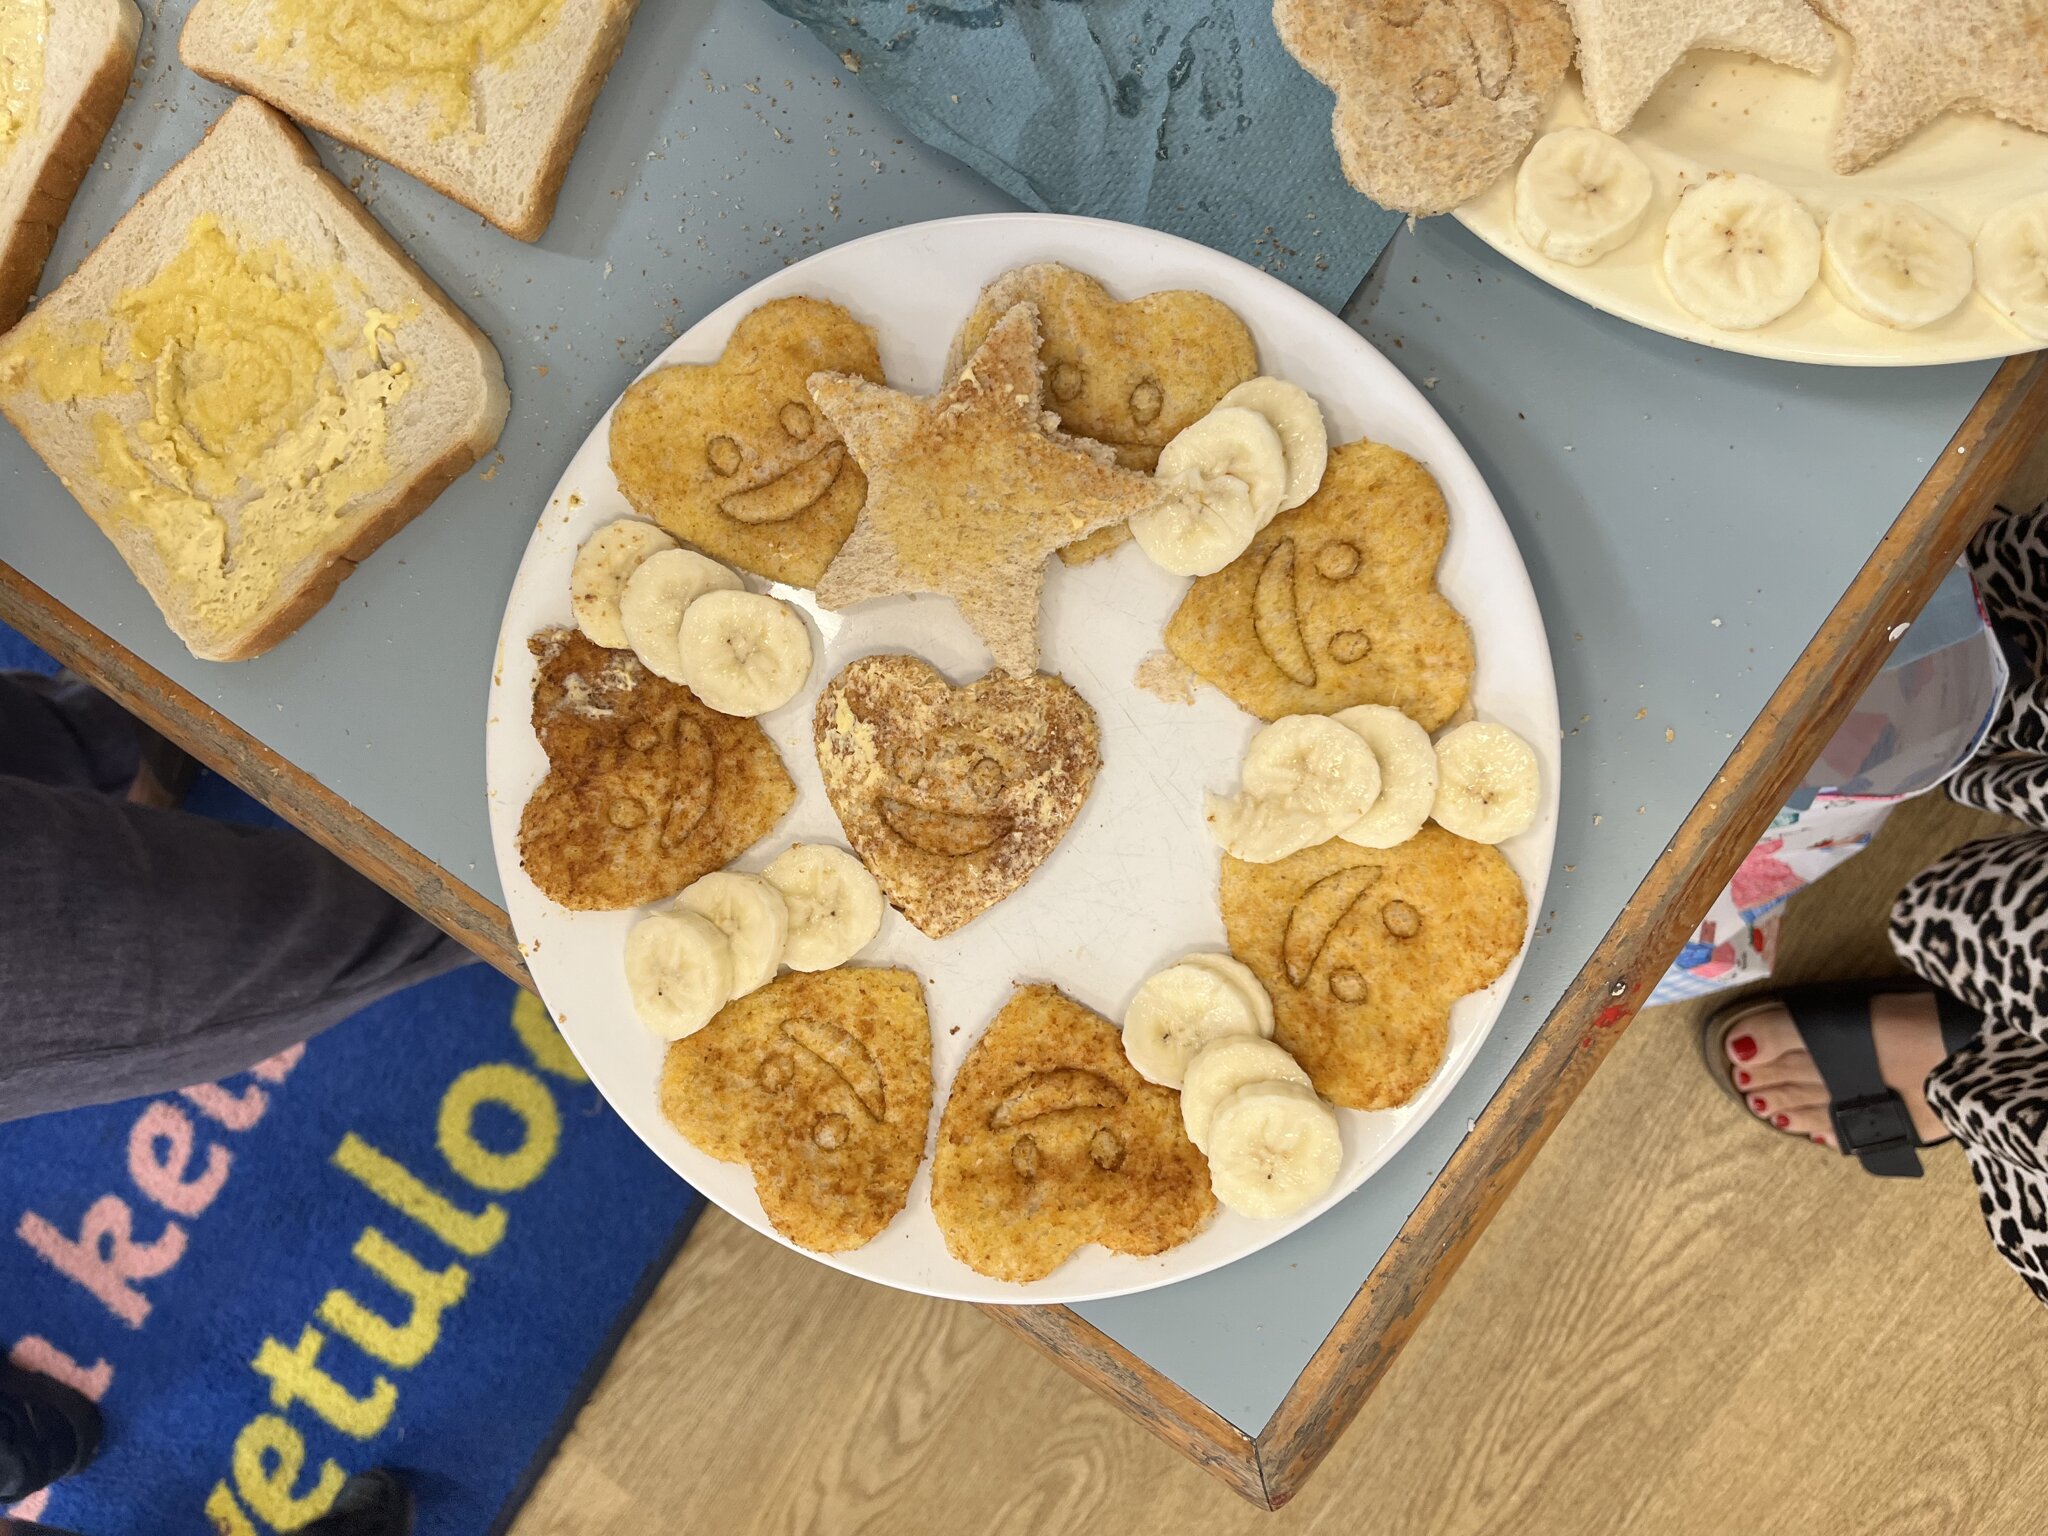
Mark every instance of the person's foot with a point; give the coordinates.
(1780, 1084)
(373, 1503)
(47, 1431)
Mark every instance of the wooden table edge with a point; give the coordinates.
(1270, 1468)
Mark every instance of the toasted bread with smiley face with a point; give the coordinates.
(647, 788)
(1335, 603)
(821, 1082)
(733, 456)
(1364, 950)
(1130, 374)
(1050, 1140)
(1436, 99)
(952, 797)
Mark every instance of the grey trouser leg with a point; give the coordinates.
(145, 950)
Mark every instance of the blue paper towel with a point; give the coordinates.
(1183, 115)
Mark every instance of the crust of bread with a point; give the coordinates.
(324, 581)
(25, 246)
(407, 498)
(325, 114)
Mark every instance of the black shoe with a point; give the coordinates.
(373, 1503)
(47, 1431)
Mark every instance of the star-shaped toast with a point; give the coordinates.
(1912, 62)
(1627, 47)
(969, 490)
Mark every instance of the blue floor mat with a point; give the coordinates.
(414, 1243)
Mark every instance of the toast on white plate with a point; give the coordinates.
(249, 387)
(485, 104)
(64, 67)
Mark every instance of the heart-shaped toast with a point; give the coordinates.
(1129, 374)
(647, 788)
(733, 456)
(1364, 950)
(952, 796)
(1050, 1140)
(821, 1082)
(1336, 603)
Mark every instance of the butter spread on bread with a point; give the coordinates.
(249, 388)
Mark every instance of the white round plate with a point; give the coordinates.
(1133, 885)
(1730, 112)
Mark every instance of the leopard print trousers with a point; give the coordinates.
(1976, 923)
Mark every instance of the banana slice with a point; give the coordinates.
(1304, 440)
(606, 559)
(1740, 252)
(1206, 524)
(1408, 775)
(654, 599)
(678, 972)
(751, 914)
(1240, 975)
(1895, 263)
(1177, 1012)
(2012, 264)
(1487, 782)
(744, 653)
(1579, 194)
(1231, 472)
(1222, 1067)
(835, 906)
(1305, 779)
(1274, 1149)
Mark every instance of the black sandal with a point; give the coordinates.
(1870, 1120)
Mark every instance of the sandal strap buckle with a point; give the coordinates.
(1877, 1122)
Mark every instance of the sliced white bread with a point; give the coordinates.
(296, 521)
(522, 113)
(87, 55)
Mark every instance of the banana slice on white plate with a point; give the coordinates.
(1274, 1149)
(1488, 782)
(751, 914)
(1240, 975)
(2012, 264)
(1304, 440)
(596, 580)
(1177, 1012)
(1222, 1067)
(1408, 775)
(678, 972)
(1228, 471)
(744, 653)
(835, 906)
(1579, 194)
(654, 599)
(1305, 779)
(1739, 252)
(1895, 263)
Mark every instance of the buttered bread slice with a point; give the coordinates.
(483, 101)
(249, 387)
(64, 67)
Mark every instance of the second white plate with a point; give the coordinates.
(1730, 112)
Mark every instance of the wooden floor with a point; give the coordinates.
(1710, 1329)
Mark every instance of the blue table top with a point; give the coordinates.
(1688, 516)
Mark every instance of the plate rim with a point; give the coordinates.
(1475, 497)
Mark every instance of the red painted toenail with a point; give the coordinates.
(1743, 1047)
(1757, 1105)
(1781, 1121)
(1742, 1078)
(1820, 1141)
